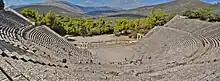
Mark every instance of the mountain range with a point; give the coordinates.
(69, 9)
(66, 8)
(176, 6)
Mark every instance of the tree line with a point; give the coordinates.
(206, 14)
(90, 26)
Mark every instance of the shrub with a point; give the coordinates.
(203, 14)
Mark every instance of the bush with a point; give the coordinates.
(202, 14)
(190, 13)
(214, 18)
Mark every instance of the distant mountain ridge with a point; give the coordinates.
(104, 8)
(67, 7)
(175, 6)
(63, 4)
(82, 9)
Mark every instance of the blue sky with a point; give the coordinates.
(126, 4)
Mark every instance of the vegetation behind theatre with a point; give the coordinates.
(98, 26)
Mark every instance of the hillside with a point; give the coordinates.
(43, 9)
(66, 8)
(217, 8)
(99, 9)
(176, 6)
(100, 13)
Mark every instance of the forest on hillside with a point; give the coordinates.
(98, 26)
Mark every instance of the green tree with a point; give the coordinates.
(49, 19)
(89, 27)
(190, 13)
(32, 15)
(205, 13)
(157, 18)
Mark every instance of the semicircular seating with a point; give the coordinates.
(174, 42)
(184, 49)
(45, 38)
(19, 32)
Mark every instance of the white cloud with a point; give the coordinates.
(88, 1)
